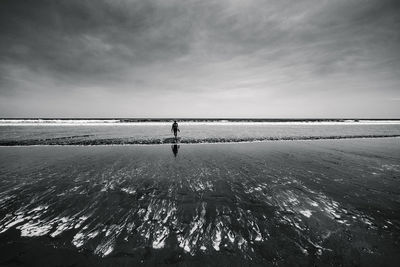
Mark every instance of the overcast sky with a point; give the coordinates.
(205, 58)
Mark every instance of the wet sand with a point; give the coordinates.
(283, 203)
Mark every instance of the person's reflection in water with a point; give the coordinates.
(175, 149)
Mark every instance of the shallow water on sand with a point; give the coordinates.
(90, 133)
(332, 202)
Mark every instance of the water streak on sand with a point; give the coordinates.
(160, 220)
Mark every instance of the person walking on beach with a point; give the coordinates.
(175, 129)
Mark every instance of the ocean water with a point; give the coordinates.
(93, 132)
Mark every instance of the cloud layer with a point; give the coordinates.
(204, 58)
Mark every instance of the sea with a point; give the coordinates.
(158, 131)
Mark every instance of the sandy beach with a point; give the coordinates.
(320, 202)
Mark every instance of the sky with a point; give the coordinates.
(200, 58)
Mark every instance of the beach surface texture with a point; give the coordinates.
(276, 203)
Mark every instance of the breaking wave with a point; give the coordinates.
(143, 122)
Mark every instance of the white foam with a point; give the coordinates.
(116, 122)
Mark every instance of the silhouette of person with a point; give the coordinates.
(175, 149)
(175, 129)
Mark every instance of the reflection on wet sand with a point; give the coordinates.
(267, 209)
(175, 149)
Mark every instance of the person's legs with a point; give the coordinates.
(175, 134)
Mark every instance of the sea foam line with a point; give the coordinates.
(150, 122)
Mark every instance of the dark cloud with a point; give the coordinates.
(85, 39)
(239, 51)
